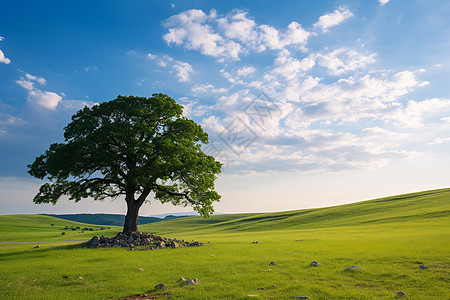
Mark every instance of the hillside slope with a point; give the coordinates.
(416, 207)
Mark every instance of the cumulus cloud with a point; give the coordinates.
(332, 19)
(343, 60)
(322, 109)
(191, 29)
(46, 99)
(3, 59)
(245, 71)
(383, 2)
(229, 36)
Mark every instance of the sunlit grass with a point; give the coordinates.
(231, 267)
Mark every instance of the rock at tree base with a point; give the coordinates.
(314, 264)
(160, 286)
(136, 239)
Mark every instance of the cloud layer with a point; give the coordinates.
(326, 108)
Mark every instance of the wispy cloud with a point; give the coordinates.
(332, 19)
(182, 69)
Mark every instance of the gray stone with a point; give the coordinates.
(423, 267)
(400, 293)
(353, 268)
(314, 264)
(194, 281)
(181, 280)
(255, 242)
(160, 286)
(300, 297)
(272, 263)
(37, 246)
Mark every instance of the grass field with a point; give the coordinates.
(388, 238)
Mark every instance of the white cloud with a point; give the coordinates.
(245, 71)
(383, 2)
(45, 99)
(207, 88)
(343, 60)
(190, 28)
(4, 59)
(438, 141)
(39, 80)
(417, 114)
(230, 36)
(332, 19)
(182, 69)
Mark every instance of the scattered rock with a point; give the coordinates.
(314, 264)
(194, 281)
(255, 242)
(400, 293)
(423, 267)
(141, 269)
(252, 295)
(212, 255)
(181, 280)
(160, 286)
(353, 268)
(300, 297)
(137, 239)
(81, 278)
(65, 276)
(275, 286)
(272, 263)
(299, 240)
(37, 246)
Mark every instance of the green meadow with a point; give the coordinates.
(387, 238)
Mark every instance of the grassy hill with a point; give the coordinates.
(413, 208)
(388, 238)
(40, 228)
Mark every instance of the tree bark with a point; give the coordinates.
(131, 219)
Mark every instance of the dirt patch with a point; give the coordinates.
(148, 296)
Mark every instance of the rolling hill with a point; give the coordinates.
(413, 208)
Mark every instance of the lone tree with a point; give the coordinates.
(130, 147)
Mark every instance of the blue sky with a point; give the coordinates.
(307, 103)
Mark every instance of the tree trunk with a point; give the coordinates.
(131, 219)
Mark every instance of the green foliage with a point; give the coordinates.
(130, 146)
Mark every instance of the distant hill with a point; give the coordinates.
(109, 219)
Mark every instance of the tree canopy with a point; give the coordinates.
(131, 147)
